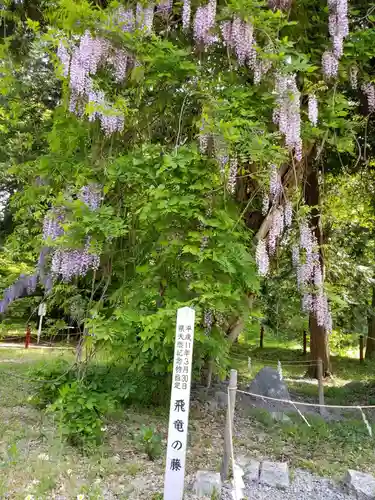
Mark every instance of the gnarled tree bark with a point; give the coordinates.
(319, 346)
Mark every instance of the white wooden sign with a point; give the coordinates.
(180, 402)
(42, 309)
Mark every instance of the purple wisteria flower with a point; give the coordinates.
(288, 214)
(87, 57)
(262, 258)
(369, 90)
(287, 112)
(295, 256)
(69, 263)
(125, 18)
(186, 13)
(276, 229)
(338, 27)
(239, 35)
(52, 224)
(232, 176)
(310, 277)
(330, 64)
(164, 7)
(265, 205)
(145, 17)
(275, 183)
(64, 56)
(313, 110)
(25, 285)
(91, 195)
(204, 24)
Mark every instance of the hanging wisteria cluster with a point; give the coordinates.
(91, 196)
(145, 17)
(186, 13)
(86, 58)
(306, 259)
(281, 219)
(275, 183)
(164, 7)
(275, 188)
(25, 285)
(369, 90)
(232, 175)
(338, 27)
(239, 36)
(69, 263)
(52, 224)
(204, 23)
(287, 112)
(262, 258)
(313, 110)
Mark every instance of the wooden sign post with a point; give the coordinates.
(42, 309)
(179, 409)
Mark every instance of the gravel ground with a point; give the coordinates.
(304, 486)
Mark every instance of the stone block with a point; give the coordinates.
(207, 483)
(274, 474)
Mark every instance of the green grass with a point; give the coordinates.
(325, 448)
(35, 461)
(328, 448)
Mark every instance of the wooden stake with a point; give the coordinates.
(304, 342)
(361, 357)
(321, 386)
(209, 373)
(229, 424)
(261, 337)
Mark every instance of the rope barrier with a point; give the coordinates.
(269, 362)
(365, 421)
(299, 403)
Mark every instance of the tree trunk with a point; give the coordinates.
(370, 343)
(319, 347)
(236, 329)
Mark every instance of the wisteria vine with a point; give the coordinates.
(66, 263)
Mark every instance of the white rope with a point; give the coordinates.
(301, 414)
(303, 364)
(366, 422)
(305, 404)
(261, 360)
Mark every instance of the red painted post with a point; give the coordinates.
(261, 337)
(28, 336)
